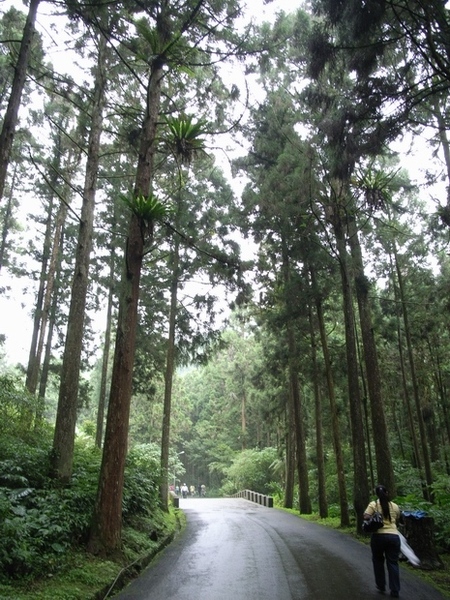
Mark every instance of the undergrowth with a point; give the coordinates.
(44, 526)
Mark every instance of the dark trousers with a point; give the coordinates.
(386, 545)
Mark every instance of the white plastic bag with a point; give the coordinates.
(407, 551)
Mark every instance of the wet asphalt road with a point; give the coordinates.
(233, 549)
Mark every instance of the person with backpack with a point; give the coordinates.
(385, 541)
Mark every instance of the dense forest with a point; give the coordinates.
(234, 271)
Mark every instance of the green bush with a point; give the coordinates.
(18, 408)
(40, 522)
(142, 480)
(252, 470)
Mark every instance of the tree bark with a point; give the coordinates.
(420, 535)
(66, 416)
(41, 321)
(7, 219)
(32, 367)
(295, 396)
(323, 506)
(415, 385)
(11, 116)
(48, 343)
(170, 367)
(360, 486)
(290, 460)
(105, 354)
(339, 457)
(385, 471)
(106, 530)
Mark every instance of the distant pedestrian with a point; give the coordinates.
(184, 490)
(385, 542)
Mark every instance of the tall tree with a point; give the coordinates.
(66, 416)
(11, 116)
(165, 35)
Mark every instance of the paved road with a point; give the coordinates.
(233, 549)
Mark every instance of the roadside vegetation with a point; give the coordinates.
(44, 525)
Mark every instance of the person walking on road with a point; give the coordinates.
(385, 542)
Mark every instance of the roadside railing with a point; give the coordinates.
(255, 497)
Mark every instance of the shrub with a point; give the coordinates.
(40, 522)
(142, 479)
(253, 470)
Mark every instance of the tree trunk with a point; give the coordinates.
(323, 506)
(66, 416)
(339, 457)
(48, 349)
(416, 459)
(294, 394)
(105, 355)
(170, 367)
(7, 219)
(442, 131)
(105, 535)
(360, 486)
(385, 471)
(415, 385)
(11, 116)
(290, 460)
(107, 525)
(32, 367)
(35, 362)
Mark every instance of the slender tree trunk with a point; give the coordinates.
(66, 416)
(32, 380)
(416, 459)
(32, 367)
(244, 418)
(7, 218)
(170, 367)
(51, 324)
(300, 442)
(415, 385)
(443, 402)
(290, 459)
(48, 348)
(106, 530)
(383, 456)
(360, 485)
(339, 456)
(105, 355)
(323, 506)
(11, 116)
(442, 130)
(295, 396)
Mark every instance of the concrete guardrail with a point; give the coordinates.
(255, 497)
